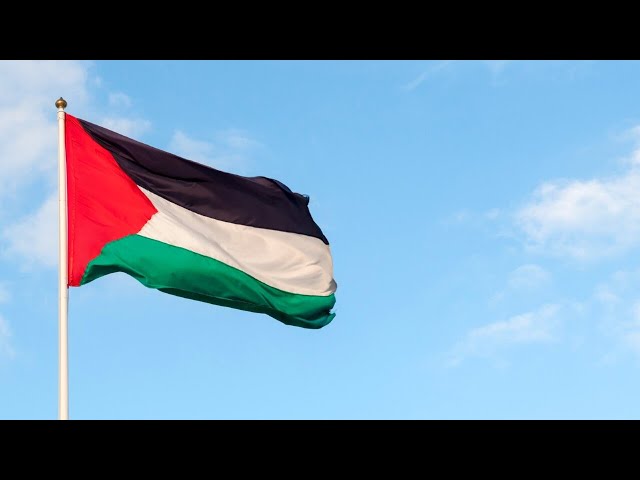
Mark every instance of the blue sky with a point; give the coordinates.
(484, 220)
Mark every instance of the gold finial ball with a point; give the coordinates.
(61, 103)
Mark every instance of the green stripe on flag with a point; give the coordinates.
(181, 272)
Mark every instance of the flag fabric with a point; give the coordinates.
(190, 230)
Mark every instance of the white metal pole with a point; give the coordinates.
(63, 289)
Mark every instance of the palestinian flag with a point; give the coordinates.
(193, 231)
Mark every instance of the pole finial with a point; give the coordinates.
(61, 103)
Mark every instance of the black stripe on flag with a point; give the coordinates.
(254, 201)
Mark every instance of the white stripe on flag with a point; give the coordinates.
(288, 261)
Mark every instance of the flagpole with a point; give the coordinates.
(63, 289)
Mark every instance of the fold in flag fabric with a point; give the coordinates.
(190, 230)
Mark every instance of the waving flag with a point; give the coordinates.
(193, 231)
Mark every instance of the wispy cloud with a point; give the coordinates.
(6, 349)
(528, 276)
(130, 127)
(524, 279)
(28, 136)
(196, 150)
(34, 237)
(430, 71)
(496, 70)
(228, 151)
(27, 116)
(632, 341)
(546, 71)
(496, 67)
(619, 313)
(492, 214)
(119, 100)
(237, 139)
(473, 218)
(5, 296)
(539, 326)
(604, 295)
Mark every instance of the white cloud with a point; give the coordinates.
(461, 216)
(538, 326)
(5, 339)
(632, 341)
(44, 80)
(604, 295)
(119, 100)
(528, 276)
(634, 133)
(496, 67)
(196, 150)
(584, 219)
(635, 314)
(130, 127)
(474, 218)
(492, 214)
(237, 139)
(28, 143)
(619, 313)
(228, 152)
(5, 296)
(35, 237)
(431, 70)
(27, 116)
